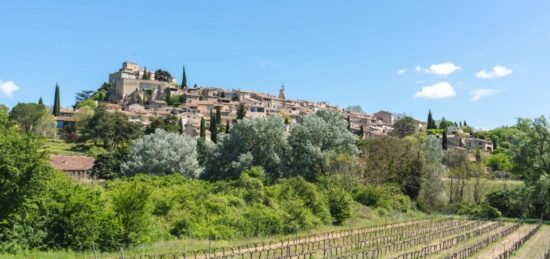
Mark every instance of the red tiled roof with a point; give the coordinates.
(72, 163)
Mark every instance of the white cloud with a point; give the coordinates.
(437, 91)
(497, 71)
(442, 69)
(402, 71)
(7, 88)
(477, 94)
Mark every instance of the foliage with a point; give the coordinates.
(263, 138)
(483, 211)
(314, 140)
(169, 123)
(57, 102)
(405, 126)
(183, 78)
(387, 197)
(109, 128)
(531, 156)
(34, 118)
(339, 203)
(354, 108)
(500, 162)
(161, 75)
(241, 111)
(83, 96)
(108, 165)
(163, 153)
(431, 122)
(432, 195)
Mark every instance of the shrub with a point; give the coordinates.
(339, 202)
(482, 210)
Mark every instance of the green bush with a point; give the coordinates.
(388, 197)
(339, 202)
(482, 210)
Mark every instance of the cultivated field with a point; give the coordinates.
(422, 238)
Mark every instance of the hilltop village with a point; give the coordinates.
(145, 95)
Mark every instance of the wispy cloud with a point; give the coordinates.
(402, 71)
(7, 88)
(442, 69)
(437, 91)
(496, 72)
(477, 94)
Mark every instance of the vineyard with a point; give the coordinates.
(449, 238)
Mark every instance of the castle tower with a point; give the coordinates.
(282, 93)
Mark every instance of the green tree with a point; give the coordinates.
(33, 118)
(348, 120)
(202, 133)
(109, 128)
(183, 78)
(132, 207)
(56, 102)
(82, 96)
(354, 108)
(432, 190)
(431, 122)
(404, 126)
(361, 132)
(227, 127)
(531, 156)
(40, 101)
(213, 128)
(161, 75)
(444, 141)
(168, 123)
(108, 165)
(241, 111)
(163, 153)
(444, 124)
(218, 115)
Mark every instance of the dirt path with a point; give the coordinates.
(499, 247)
(536, 246)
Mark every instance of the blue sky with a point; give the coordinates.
(343, 52)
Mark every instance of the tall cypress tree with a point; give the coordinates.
(241, 111)
(431, 122)
(40, 101)
(227, 127)
(349, 123)
(213, 129)
(56, 102)
(218, 115)
(202, 129)
(183, 79)
(444, 141)
(361, 131)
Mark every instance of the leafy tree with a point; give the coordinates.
(88, 102)
(432, 191)
(444, 124)
(56, 102)
(459, 172)
(202, 129)
(161, 75)
(354, 108)
(431, 122)
(261, 138)
(404, 126)
(531, 156)
(82, 96)
(132, 207)
(33, 118)
(163, 153)
(241, 111)
(183, 78)
(168, 123)
(23, 164)
(108, 165)
(109, 128)
(318, 137)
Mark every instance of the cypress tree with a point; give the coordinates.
(168, 97)
(227, 127)
(213, 129)
(56, 102)
(287, 122)
(183, 79)
(361, 131)
(218, 115)
(465, 124)
(349, 123)
(431, 122)
(40, 101)
(241, 111)
(444, 141)
(202, 129)
(478, 155)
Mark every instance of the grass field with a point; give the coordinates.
(60, 147)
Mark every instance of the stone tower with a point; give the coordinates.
(282, 93)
